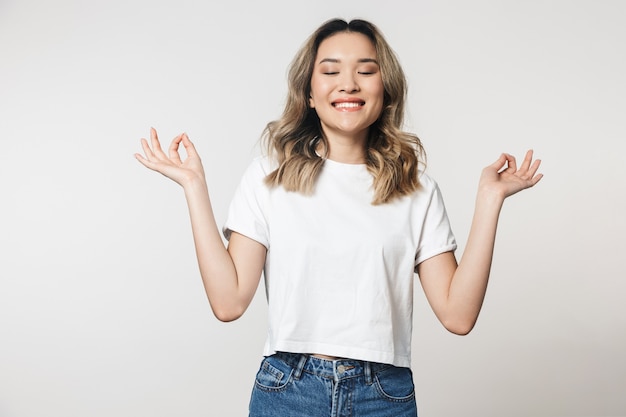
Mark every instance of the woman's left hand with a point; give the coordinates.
(504, 178)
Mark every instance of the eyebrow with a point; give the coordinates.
(336, 61)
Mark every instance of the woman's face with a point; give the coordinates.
(346, 86)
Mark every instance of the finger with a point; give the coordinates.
(140, 158)
(144, 161)
(534, 179)
(527, 160)
(173, 150)
(189, 146)
(146, 149)
(156, 145)
(511, 163)
(499, 163)
(533, 168)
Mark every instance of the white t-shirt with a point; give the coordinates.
(339, 271)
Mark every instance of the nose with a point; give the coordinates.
(348, 83)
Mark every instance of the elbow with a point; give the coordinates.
(459, 327)
(226, 318)
(459, 331)
(226, 315)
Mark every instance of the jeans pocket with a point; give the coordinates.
(274, 374)
(395, 384)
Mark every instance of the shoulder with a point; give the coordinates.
(427, 183)
(259, 167)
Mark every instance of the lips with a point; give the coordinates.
(348, 104)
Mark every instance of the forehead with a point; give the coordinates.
(346, 45)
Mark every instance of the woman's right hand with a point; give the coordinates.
(183, 172)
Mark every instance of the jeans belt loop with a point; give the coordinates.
(368, 372)
(300, 367)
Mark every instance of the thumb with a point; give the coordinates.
(499, 163)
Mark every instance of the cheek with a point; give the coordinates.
(317, 87)
(314, 92)
(379, 91)
(319, 93)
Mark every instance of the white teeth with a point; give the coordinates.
(348, 105)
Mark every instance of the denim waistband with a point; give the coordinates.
(333, 369)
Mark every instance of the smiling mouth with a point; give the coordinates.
(349, 104)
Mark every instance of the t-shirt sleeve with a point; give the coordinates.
(436, 234)
(247, 213)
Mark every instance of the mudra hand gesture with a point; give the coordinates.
(504, 178)
(171, 165)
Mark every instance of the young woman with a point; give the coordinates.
(339, 216)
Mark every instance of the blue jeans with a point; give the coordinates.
(297, 385)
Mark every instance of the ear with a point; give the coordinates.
(311, 102)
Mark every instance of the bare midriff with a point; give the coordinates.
(328, 358)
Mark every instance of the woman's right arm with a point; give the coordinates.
(230, 275)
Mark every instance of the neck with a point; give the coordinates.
(345, 150)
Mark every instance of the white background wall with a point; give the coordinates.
(102, 311)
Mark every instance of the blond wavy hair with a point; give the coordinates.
(392, 156)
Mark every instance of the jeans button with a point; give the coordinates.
(341, 369)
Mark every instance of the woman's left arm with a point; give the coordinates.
(456, 292)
